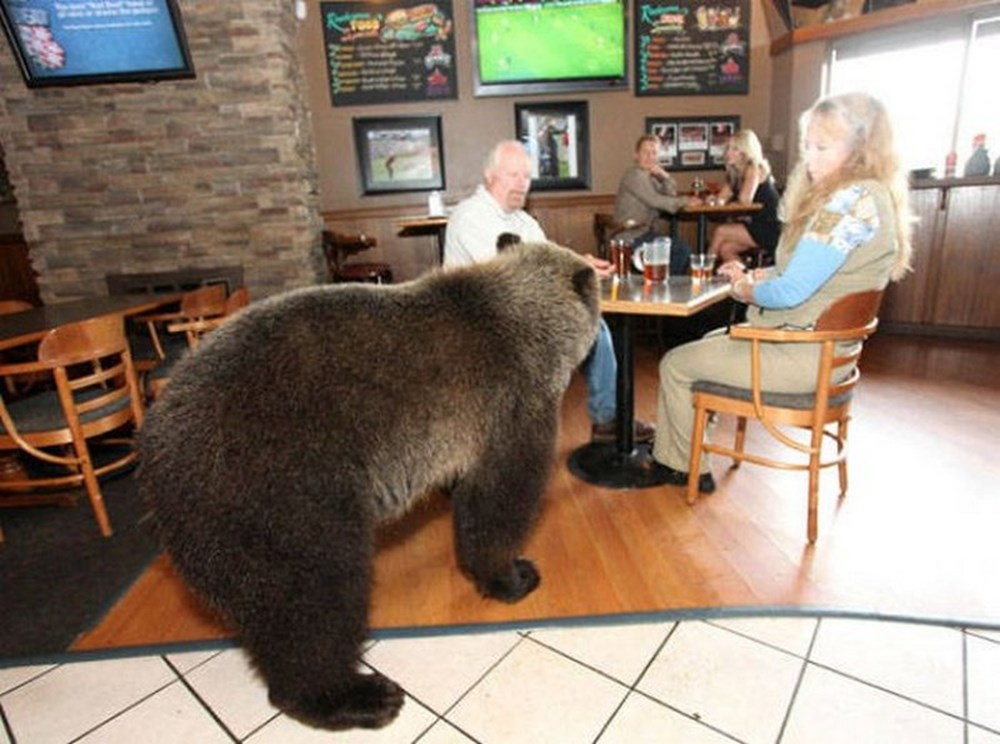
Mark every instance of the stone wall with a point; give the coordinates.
(145, 177)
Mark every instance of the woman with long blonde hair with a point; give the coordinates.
(748, 181)
(846, 229)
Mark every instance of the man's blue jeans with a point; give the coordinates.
(600, 369)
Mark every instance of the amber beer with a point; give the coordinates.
(621, 257)
(654, 272)
(654, 257)
(701, 267)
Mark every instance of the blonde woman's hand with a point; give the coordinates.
(732, 270)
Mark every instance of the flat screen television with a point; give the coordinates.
(521, 47)
(77, 42)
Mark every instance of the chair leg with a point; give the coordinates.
(697, 439)
(93, 487)
(811, 528)
(741, 436)
(815, 458)
(842, 465)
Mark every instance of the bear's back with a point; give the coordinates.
(304, 399)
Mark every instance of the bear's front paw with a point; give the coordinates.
(371, 701)
(521, 579)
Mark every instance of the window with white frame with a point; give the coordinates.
(938, 80)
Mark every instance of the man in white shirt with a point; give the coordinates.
(497, 208)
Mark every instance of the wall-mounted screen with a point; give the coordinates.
(75, 42)
(521, 47)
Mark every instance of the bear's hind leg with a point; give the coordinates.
(310, 656)
(305, 620)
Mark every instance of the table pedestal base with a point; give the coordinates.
(602, 464)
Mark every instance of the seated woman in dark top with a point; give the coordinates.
(748, 180)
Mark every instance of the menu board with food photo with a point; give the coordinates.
(692, 48)
(389, 52)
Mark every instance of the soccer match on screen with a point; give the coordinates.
(548, 39)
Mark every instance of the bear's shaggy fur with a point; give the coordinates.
(312, 416)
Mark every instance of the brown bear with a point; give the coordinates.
(309, 418)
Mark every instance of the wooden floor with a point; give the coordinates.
(916, 535)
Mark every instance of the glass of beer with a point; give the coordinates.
(701, 266)
(621, 257)
(653, 259)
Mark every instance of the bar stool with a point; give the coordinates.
(338, 247)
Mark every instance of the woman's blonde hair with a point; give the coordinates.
(747, 143)
(862, 121)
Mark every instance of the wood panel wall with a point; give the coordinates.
(956, 262)
(567, 221)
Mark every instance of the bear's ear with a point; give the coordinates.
(583, 283)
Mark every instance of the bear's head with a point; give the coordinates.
(552, 293)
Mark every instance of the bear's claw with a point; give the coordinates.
(372, 701)
(522, 579)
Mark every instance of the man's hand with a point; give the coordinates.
(602, 267)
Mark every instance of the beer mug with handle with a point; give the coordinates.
(653, 259)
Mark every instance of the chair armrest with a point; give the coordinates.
(196, 326)
(20, 368)
(788, 335)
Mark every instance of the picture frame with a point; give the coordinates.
(556, 135)
(399, 153)
(692, 142)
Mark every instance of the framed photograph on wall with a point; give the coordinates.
(556, 135)
(692, 142)
(399, 153)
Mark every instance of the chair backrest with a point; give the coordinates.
(337, 246)
(851, 311)
(85, 341)
(238, 300)
(92, 366)
(12, 383)
(204, 302)
(202, 312)
(604, 225)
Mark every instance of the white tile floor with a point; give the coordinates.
(750, 679)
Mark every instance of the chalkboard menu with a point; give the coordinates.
(692, 48)
(388, 52)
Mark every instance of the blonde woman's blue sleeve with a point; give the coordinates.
(848, 219)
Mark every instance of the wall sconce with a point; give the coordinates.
(301, 9)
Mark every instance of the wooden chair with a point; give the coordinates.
(148, 343)
(194, 328)
(605, 225)
(96, 393)
(203, 302)
(18, 384)
(839, 331)
(338, 247)
(198, 309)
